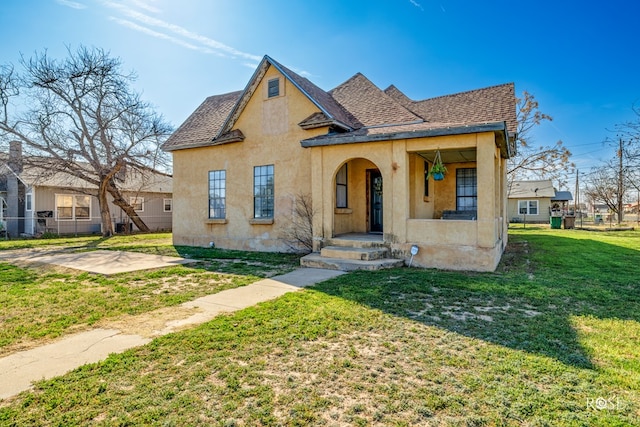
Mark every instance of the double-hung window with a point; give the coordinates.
(263, 191)
(341, 187)
(218, 194)
(528, 207)
(73, 206)
(466, 189)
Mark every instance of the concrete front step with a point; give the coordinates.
(315, 260)
(354, 243)
(361, 254)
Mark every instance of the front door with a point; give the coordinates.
(375, 200)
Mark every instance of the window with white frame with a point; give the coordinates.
(218, 194)
(167, 205)
(28, 202)
(137, 203)
(341, 187)
(73, 207)
(528, 207)
(263, 191)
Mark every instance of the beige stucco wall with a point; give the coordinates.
(272, 136)
(409, 216)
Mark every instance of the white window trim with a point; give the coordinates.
(28, 202)
(133, 200)
(164, 205)
(528, 211)
(73, 207)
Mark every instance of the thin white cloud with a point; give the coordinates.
(146, 6)
(180, 31)
(71, 4)
(150, 32)
(416, 4)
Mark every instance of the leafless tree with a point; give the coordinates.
(627, 144)
(602, 186)
(536, 162)
(299, 235)
(80, 116)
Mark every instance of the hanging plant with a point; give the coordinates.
(438, 169)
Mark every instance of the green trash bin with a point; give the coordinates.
(556, 222)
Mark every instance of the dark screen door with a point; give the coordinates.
(375, 198)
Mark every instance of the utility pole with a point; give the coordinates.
(576, 199)
(620, 176)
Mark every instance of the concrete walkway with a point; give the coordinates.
(100, 261)
(19, 370)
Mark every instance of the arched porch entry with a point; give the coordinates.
(358, 198)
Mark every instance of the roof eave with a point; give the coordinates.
(498, 127)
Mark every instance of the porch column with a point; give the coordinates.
(486, 190)
(316, 197)
(396, 231)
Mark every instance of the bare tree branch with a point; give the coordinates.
(84, 117)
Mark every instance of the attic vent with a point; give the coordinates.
(274, 88)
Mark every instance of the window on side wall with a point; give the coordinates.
(528, 207)
(341, 187)
(73, 207)
(28, 202)
(218, 194)
(466, 189)
(167, 205)
(137, 203)
(263, 191)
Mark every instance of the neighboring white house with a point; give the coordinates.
(534, 201)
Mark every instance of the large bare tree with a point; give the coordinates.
(531, 161)
(80, 116)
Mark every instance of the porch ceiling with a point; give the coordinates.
(451, 156)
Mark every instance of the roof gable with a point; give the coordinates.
(370, 105)
(332, 110)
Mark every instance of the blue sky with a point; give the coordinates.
(579, 59)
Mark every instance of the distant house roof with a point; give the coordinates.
(42, 175)
(562, 196)
(356, 109)
(531, 189)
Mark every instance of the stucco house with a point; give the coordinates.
(362, 156)
(535, 201)
(36, 199)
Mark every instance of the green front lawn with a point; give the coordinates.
(550, 339)
(43, 302)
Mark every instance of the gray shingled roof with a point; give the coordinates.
(531, 189)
